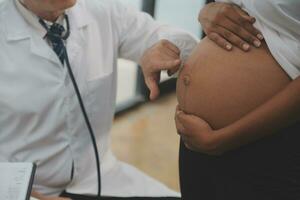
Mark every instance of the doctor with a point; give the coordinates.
(40, 118)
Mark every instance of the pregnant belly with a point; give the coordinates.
(221, 86)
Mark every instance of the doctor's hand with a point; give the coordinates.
(196, 133)
(228, 24)
(161, 56)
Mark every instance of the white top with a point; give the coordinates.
(279, 21)
(40, 118)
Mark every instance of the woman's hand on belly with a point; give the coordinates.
(279, 112)
(227, 23)
(197, 134)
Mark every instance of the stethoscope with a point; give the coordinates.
(78, 94)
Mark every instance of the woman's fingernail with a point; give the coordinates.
(257, 43)
(228, 46)
(246, 47)
(260, 36)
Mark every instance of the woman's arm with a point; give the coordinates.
(277, 113)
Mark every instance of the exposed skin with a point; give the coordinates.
(49, 9)
(168, 56)
(279, 111)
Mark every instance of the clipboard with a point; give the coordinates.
(16, 180)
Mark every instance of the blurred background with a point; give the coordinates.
(144, 133)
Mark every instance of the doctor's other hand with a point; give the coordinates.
(161, 56)
(196, 133)
(227, 25)
(39, 196)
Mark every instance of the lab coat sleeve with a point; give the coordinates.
(138, 32)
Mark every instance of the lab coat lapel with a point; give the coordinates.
(79, 21)
(17, 29)
(39, 47)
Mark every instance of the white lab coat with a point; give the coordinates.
(40, 119)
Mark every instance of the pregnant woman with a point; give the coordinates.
(238, 113)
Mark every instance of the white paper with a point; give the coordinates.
(14, 180)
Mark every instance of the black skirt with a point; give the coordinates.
(268, 169)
